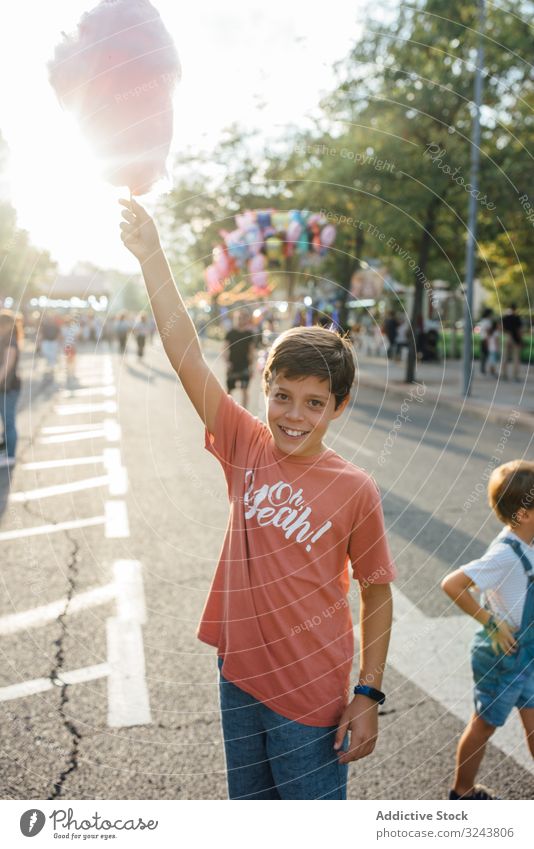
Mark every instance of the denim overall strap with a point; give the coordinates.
(527, 620)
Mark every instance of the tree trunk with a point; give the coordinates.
(419, 287)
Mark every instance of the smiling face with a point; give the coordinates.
(299, 412)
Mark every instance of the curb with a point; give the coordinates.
(498, 413)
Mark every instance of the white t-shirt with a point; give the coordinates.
(485, 326)
(501, 577)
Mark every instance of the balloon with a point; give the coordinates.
(212, 279)
(280, 220)
(328, 235)
(303, 244)
(259, 279)
(254, 240)
(236, 246)
(293, 231)
(117, 74)
(263, 219)
(244, 220)
(221, 261)
(257, 263)
(273, 246)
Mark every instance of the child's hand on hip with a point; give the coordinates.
(360, 718)
(138, 231)
(502, 640)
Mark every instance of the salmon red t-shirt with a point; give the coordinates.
(278, 610)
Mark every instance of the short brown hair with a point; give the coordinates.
(511, 487)
(315, 352)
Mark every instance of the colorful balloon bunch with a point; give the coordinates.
(263, 239)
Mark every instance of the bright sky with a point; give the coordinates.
(234, 57)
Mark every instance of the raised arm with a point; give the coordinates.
(176, 329)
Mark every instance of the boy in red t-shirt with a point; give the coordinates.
(277, 611)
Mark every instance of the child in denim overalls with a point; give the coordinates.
(502, 653)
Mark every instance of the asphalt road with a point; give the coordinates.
(109, 537)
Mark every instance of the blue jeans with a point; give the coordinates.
(271, 757)
(8, 404)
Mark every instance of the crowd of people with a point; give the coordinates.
(501, 342)
(246, 343)
(58, 335)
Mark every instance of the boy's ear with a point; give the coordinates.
(521, 514)
(341, 407)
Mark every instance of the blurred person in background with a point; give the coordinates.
(48, 341)
(494, 342)
(390, 330)
(141, 330)
(484, 329)
(71, 335)
(511, 325)
(239, 354)
(122, 328)
(11, 338)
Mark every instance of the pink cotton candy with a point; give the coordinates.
(117, 75)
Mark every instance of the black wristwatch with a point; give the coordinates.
(363, 690)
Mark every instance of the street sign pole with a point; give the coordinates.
(472, 213)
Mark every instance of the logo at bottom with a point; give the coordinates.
(32, 822)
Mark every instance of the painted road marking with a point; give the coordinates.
(433, 653)
(118, 476)
(40, 685)
(52, 529)
(118, 480)
(38, 616)
(110, 431)
(61, 489)
(73, 437)
(89, 390)
(129, 591)
(67, 461)
(117, 525)
(72, 428)
(128, 699)
(78, 409)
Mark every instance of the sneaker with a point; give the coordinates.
(479, 792)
